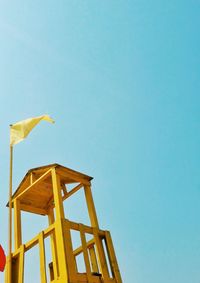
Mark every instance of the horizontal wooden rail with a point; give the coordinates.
(33, 242)
(87, 229)
(80, 249)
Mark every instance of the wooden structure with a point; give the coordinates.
(43, 191)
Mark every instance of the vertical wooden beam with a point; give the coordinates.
(6, 274)
(21, 264)
(71, 263)
(85, 254)
(8, 269)
(59, 233)
(93, 259)
(112, 258)
(43, 275)
(91, 207)
(53, 245)
(101, 255)
(32, 178)
(17, 224)
(57, 195)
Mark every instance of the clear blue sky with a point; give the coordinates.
(121, 79)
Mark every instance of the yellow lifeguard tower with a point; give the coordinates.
(43, 191)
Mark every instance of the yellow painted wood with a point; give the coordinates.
(43, 177)
(33, 242)
(9, 269)
(88, 229)
(71, 264)
(32, 178)
(93, 258)
(32, 209)
(66, 176)
(21, 265)
(59, 234)
(85, 253)
(15, 269)
(7, 272)
(57, 195)
(101, 256)
(82, 277)
(17, 224)
(73, 175)
(64, 190)
(74, 190)
(79, 250)
(45, 196)
(53, 246)
(65, 196)
(91, 207)
(43, 275)
(112, 258)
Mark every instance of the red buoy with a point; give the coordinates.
(2, 259)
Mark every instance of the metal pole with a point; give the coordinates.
(9, 270)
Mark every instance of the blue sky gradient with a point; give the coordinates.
(121, 80)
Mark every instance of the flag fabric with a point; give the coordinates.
(2, 259)
(20, 130)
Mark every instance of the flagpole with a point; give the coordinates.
(18, 134)
(10, 218)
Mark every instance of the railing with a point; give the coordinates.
(99, 261)
(18, 257)
(98, 253)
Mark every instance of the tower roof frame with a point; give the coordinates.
(36, 192)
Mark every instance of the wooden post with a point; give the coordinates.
(59, 233)
(91, 207)
(94, 223)
(101, 255)
(93, 258)
(21, 264)
(17, 224)
(9, 258)
(85, 254)
(71, 264)
(43, 275)
(112, 258)
(53, 245)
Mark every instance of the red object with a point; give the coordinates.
(2, 259)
